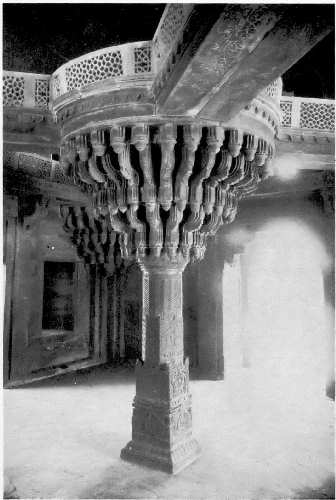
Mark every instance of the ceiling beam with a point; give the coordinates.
(223, 59)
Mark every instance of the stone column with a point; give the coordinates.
(162, 421)
(164, 189)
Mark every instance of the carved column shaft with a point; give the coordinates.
(162, 422)
(164, 332)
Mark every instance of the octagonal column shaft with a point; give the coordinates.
(162, 422)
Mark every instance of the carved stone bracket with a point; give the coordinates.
(200, 174)
(93, 237)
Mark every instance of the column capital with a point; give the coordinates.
(162, 264)
(166, 187)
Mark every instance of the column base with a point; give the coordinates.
(167, 460)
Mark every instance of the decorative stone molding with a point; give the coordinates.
(264, 114)
(274, 90)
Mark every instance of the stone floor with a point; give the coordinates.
(63, 438)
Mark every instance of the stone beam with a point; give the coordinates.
(226, 55)
(212, 42)
(298, 30)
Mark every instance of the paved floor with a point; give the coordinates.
(63, 438)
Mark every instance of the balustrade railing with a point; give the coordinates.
(26, 90)
(307, 113)
(30, 90)
(117, 62)
(133, 60)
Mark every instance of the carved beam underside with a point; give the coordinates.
(226, 55)
(295, 33)
(164, 189)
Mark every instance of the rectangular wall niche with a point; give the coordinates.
(58, 296)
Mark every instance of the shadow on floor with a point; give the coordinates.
(97, 375)
(128, 481)
(326, 490)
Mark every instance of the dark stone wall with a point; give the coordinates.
(33, 348)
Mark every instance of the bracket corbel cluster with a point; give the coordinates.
(93, 237)
(164, 188)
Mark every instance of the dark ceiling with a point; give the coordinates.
(40, 37)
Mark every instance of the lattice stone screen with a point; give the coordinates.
(27, 90)
(41, 93)
(286, 112)
(13, 90)
(142, 60)
(309, 114)
(56, 89)
(317, 115)
(97, 68)
(119, 62)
